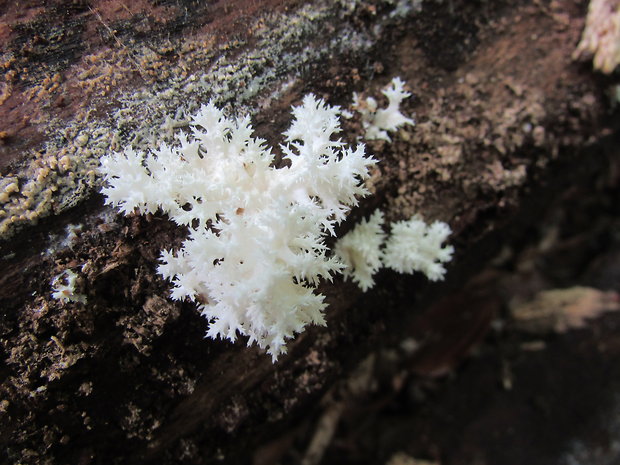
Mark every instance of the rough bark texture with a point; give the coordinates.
(514, 147)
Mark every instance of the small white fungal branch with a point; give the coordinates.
(378, 122)
(412, 245)
(360, 250)
(256, 249)
(64, 287)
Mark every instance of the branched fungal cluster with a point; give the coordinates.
(256, 247)
(255, 250)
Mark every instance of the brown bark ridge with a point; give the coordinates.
(507, 122)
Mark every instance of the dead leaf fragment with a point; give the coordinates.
(400, 458)
(559, 310)
(601, 37)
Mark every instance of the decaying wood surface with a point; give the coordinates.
(507, 122)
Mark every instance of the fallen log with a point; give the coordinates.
(507, 119)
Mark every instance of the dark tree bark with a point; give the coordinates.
(514, 141)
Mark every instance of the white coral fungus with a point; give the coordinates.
(256, 247)
(359, 250)
(414, 245)
(377, 122)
